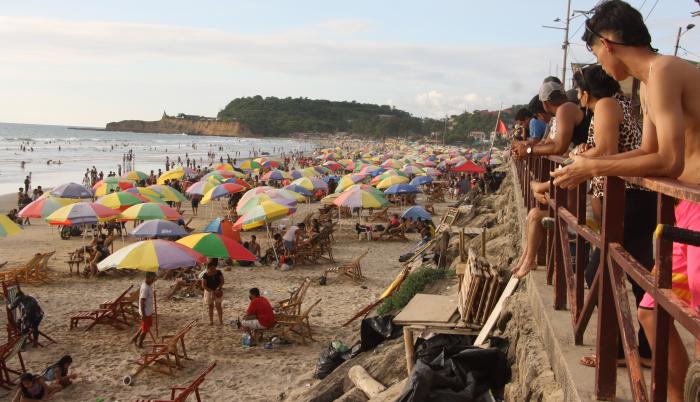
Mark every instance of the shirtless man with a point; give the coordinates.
(670, 97)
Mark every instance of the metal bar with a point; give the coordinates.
(581, 229)
(669, 187)
(589, 304)
(580, 248)
(560, 291)
(607, 334)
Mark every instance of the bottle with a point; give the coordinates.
(245, 341)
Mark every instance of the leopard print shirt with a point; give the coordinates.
(630, 139)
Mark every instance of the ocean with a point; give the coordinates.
(84, 148)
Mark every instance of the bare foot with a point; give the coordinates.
(516, 266)
(525, 268)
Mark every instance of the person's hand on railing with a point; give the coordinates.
(580, 148)
(568, 177)
(542, 198)
(519, 149)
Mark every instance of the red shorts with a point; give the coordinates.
(146, 323)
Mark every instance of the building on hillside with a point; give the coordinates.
(478, 136)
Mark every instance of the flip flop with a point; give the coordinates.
(592, 361)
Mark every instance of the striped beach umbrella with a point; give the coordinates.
(359, 198)
(253, 192)
(214, 226)
(222, 190)
(159, 228)
(111, 184)
(7, 227)
(390, 181)
(310, 172)
(123, 200)
(135, 175)
(152, 255)
(251, 202)
(311, 183)
(249, 165)
(82, 213)
(263, 213)
(44, 206)
(298, 189)
(275, 174)
(200, 188)
(217, 246)
(176, 174)
(224, 166)
(150, 210)
(72, 190)
(401, 189)
(348, 180)
(167, 193)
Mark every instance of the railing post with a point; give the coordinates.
(608, 331)
(580, 249)
(544, 177)
(560, 200)
(663, 320)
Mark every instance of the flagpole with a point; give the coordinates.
(495, 132)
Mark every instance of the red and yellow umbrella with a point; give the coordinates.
(150, 210)
(217, 246)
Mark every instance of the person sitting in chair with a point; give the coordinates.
(393, 223)
(100, 252)
(258, 316)
(32, 314)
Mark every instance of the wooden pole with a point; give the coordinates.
(408, 345)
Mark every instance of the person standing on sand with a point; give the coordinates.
(213, 284)
(145, 309)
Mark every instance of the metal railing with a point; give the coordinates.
(608, 290)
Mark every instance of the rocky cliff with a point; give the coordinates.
(172, 125)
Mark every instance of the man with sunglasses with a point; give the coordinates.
(670, 98)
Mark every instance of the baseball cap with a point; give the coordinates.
(548, 88)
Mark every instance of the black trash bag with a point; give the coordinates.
(328, 360)
(447, 371)
(375, 330)
(405, 257)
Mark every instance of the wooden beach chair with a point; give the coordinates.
(185, 392)
(430, 208)
(10, 288)
(297, 324)
(397, 233)
(9, 376)
(75, 259)
(111, 313)
(165, 354)
(350, 270)
(292, 305)
(17, 272)
(379, 216)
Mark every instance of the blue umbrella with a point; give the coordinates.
(402, 189)
(159, 228)
(298, 189)
(214, 226)
(416, 212)
(72, 190)
(420, 180)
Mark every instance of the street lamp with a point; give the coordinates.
(681, 32)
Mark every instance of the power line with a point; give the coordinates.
(642, 6)
(652, 9)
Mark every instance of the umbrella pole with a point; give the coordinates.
(155, 307)
(269, 237)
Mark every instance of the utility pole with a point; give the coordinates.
(444, 133)
(678, 37)
(565, 46)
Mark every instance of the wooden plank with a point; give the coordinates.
(428, 308)
(486, 330)
(670, 187)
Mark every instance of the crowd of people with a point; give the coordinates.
(602, 136)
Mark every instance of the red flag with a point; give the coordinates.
(501, 127)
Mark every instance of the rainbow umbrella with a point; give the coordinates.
(222, 190)
(286, 195)
(150, 210)
(135, 175)
(81, 213)
(216, 246)
(263, 213)
(253, 192)
(214, 226)
(311, 183)
(152, 255)
(270, 164)
(249, 165)
(348, 180)
(239, 181)
(175, 174)
(275, 174)
(111, 184)
(123, 200)
(328, 200)
(7, 227)
(224, 166)
(358, 198)
(298, 189)
(310, 172)
(333, 165)
(251, 202)
(200, 188)
(145, 191)
(365, 187)
(386, 175)
(413, 170)
(159, 228)
(295, 174)
(432, 172)
(72, 190)
(44, 206)
(390, 181)
(167, 193)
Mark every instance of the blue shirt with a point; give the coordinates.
(537, 128)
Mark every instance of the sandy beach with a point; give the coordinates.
(103, 356)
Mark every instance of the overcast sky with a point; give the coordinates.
(91, 62)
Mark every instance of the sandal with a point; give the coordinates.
(592, 361)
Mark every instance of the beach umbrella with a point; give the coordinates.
(286, 195)
(359, 198)
(275, 174)
(311, 183)
(239, 181)
(328, 200)
(413, 170)
(158, 228)
(150, 210)
(152, 255)
(7, 227)
(44, 206)
(298, 189)
(111, 184)
(372, 170)
(214, 226)
(390, 181)
(81, 213)
(262, 214)
(146, 192)
(224, 166)
(222, 190)
(176, 174)
(167, 193)
(392, 163)
(386, 175)
(253, 192)
(200, 188)
(243, 207)
(321, 169)
(72, 190)
(469, 167)
(421, 180)
(347, 164)
(123, 200)
(416, 212)
(401, 189)
(295, 174)
(216, 246)
(433, 172)
(267, 164)
(249, 165)
(135, 175)
(348, 180)
(333, 165)
(310, 172)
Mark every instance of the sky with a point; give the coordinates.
(87, 63)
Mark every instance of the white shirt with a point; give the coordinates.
(146, 292)
(291, 233)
